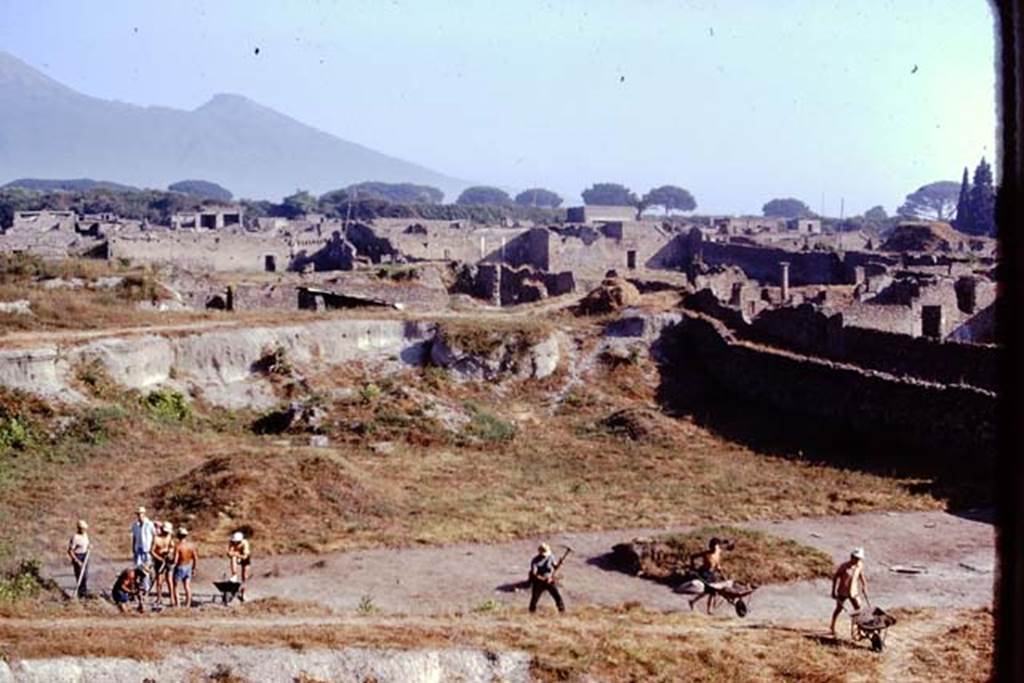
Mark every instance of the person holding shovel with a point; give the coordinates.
(240, 557)
(542, 577)
(78, 552)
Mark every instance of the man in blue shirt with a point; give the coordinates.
(542, 577)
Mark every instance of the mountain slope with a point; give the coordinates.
(48, 130)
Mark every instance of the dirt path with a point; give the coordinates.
(281, 318)
(956, 554)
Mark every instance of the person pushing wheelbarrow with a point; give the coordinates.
(848, 583)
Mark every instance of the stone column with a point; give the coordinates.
(785, 280)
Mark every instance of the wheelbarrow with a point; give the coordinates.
(871, 625)
(735, 593)
(228, 590)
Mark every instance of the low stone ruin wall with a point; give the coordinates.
(806, 331)
(933, 417)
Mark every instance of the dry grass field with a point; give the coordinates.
(414, 458)
(626, 643)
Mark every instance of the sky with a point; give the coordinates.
(841, 104)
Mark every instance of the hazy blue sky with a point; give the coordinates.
(736, 101)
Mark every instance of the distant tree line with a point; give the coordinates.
(152, 205)
(786, 207)
(969, 206)
(667, 197)
(346, 204)
(363, 201)
(202, 189)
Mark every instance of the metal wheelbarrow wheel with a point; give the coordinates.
(741, 608)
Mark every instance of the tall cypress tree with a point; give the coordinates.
(983, 201)
(964, 220)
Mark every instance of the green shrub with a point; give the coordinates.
(167, 405)
(435, 377)
(488, 606)
(97, 381)
(367, 606)
(15, 433)
(369, 393)
(490, 428)
(24, 581)
(95, 425)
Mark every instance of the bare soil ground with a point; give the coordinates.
(954, 556)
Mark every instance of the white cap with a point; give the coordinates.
(858, 553)
(237, 537)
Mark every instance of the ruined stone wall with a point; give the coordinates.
(897, 308)
(979, 328)
(202, 251)
(524, 285)
(51, 245)
(592, 258)
(895, 318)
(425, 240)
(763, 263)
(811, 332)
(280, 296)
(935, 418)
(43, 221)
(529, 248)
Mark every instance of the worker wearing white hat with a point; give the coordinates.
(240, 556)
(78, 552)
(143, 533)
(849, 583)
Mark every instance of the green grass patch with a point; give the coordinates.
(490, 428)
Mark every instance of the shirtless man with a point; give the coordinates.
(163, 555)
(128, 587)
(186, 562)
(848, 583)
(240, 556)
(709, 570)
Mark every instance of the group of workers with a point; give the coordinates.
(162, 558)
(849, 584)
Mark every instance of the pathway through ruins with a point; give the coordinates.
(953, 555)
